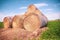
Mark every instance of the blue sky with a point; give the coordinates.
(50, 8)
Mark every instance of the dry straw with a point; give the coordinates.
(17, 21)
(7, 22)
(34, 19)
(31, 22)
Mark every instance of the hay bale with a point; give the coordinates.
(31, 22)
(32, 9)
(42, 17)
(40, 20)
(7, 21)
(17, 21)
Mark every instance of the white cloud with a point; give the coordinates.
(23, 8)
(1, 16)
(49, 9)
(41, 4)
(50, 16)
(53, 16)
(37, 5)
(11, 14)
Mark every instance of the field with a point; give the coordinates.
(53, 32)
(1, 25)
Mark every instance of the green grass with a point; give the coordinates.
(53, 33)
(1, 24)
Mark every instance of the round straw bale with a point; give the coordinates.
(32, 9)
(17, 21)
(40, 20)
(7, 22)
(42, 17)
(32, 22)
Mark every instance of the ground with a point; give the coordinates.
(20, 34)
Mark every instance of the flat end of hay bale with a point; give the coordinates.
(7, 22)
(17, 21)
(31, 22)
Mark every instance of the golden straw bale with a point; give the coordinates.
(7, 21)
(33, 10)
(30, 18)
(17, 21)
(42, 17)
(32, 22)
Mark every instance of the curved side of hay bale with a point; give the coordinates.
(32, 22)
(42, 17)
(7, 22)
(17, 21)
(44, 21)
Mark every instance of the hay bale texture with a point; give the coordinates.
(17, 21)
(7, 21)
(31, 22)
(34, 19)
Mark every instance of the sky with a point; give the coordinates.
(50, 8)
